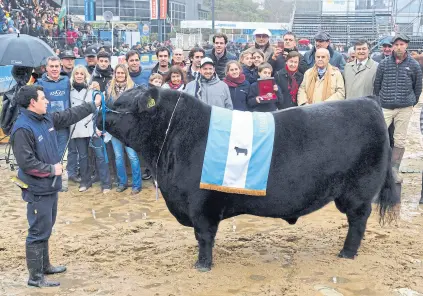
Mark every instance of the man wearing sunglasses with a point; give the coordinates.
(386, 51)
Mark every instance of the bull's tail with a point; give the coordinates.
(389, 199)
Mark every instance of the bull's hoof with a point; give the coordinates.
(347, 255)
(202, 267)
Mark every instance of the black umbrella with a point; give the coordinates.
(23, 50)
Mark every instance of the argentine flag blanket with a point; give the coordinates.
(238, 152)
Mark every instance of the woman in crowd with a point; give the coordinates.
(258, 58)
(239, 87)
(121, 82)
(289, 80)
(84, 130)
(248, 68)
(175, 79)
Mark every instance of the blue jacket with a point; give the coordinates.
(56, 92)
(139, 78)
(251, 74)
(239, 96)
(336, 59)
(46, 150)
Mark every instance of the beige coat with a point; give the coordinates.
(337, 88)
(359, 83)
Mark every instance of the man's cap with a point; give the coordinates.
(103, 54)
(67, 54)
(387, 41)
(400, 36)
(91, 51)
(262, 32)
(322, 35)
(205, 61)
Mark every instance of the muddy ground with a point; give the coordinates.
(117, 244)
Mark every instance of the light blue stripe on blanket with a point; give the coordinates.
(217, 146)
(263, 138)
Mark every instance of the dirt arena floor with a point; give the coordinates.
(117, 244)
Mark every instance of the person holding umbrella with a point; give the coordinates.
(37, 154)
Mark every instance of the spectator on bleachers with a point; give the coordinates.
(322, 40)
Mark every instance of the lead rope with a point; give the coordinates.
(161, 149)
(103, 113)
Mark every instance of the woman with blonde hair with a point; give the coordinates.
(120, 83)
(84, 130)
(248, 68)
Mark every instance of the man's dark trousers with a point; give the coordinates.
(41, 215)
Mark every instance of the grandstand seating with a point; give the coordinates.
(344, 28)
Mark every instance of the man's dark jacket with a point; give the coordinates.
(280, 63)
(34, 143)
(102, 77)
(282, 80)
(398, 85)
(220, 64)
(336, 59)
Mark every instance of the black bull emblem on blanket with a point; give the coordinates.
(334, 151)
(241, 150)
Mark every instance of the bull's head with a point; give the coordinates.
(139, 118)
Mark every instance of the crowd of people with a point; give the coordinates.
(265, 77)
(217, 77)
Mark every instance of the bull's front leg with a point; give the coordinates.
(205, 232)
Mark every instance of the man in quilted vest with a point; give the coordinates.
(398, 84)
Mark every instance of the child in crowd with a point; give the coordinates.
(249, 70)
(155, 80)
(254, 100)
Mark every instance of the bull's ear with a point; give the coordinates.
(149, 100)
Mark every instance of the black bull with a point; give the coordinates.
(336, 151)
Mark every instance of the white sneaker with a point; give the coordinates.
(82, 189)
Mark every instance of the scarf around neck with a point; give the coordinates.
(292, 84)
(79, 86)
(119, 89)
(234, 82)
(175, 86)
(314, 76)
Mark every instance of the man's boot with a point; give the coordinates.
(47, 267)
(397, 154)
(34, 262)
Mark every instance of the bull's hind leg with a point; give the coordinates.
(357, 216)
(205, 232)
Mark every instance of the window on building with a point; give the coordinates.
(177, 13)
(203, 15)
